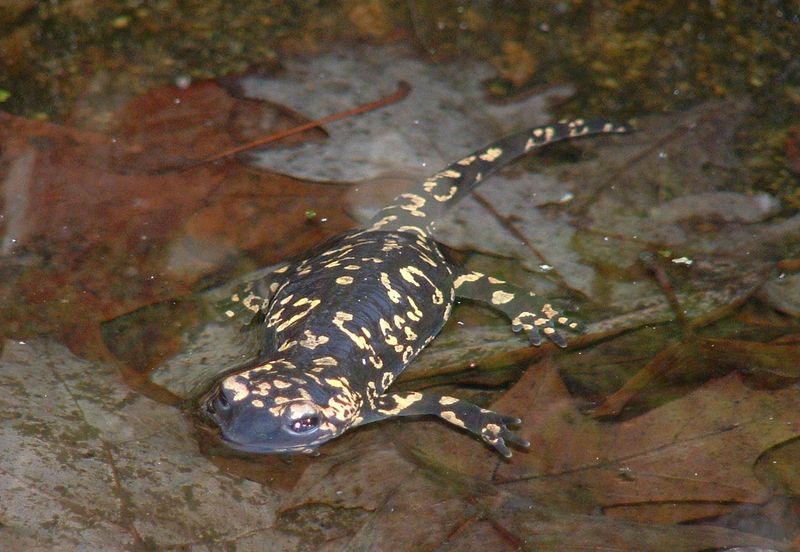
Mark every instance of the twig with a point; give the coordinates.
(403, 88)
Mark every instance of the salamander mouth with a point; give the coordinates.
(264, 447)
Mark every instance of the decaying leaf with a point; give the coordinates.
(90, 235)
(700, 448)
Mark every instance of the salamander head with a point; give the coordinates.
(275, 407)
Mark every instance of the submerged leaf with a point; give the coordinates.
(699, 448)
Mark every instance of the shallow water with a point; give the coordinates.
(669, 423)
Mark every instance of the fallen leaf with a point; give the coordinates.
(170, 127)
(85, 242)
(764, 362)
(411, 136)
(700, 448)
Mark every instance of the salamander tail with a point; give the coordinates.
(414, 211)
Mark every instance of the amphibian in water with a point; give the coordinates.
(344, 322)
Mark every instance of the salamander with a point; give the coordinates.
(340, 324)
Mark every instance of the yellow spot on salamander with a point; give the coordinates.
(549, 311)
(491, 154)
(383, 222)
(501, 297)
(288, 345)
(415, 203)
(339, 319)
(448, 196)
(451, 417)
(275, 318)
(471, 277)
(530, 144)
(312, 303)
(253, 302)
(415, 314)
(394, 295)
(313, 341)
(408, 354)
(344, 280)
(238, 388)
(402, 402)
(405, 273)
(412, 229)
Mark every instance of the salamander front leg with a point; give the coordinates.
(490, 426)
(525, 310)
(245, 300)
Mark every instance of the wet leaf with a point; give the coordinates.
(408, 137)
(169, 127)
(765, 362)
(88, 239)
(700, 448)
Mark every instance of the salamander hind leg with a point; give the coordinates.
(526, 311)
(491, 427)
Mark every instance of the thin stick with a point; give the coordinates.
(403, 88)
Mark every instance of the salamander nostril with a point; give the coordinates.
(221, 400)
(218, 403)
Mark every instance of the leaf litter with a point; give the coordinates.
(75, 431)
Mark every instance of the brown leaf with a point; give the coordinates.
(90, 244)
(699, 448)
(769, 362)
(170, 126)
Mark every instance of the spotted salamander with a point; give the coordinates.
(341, 324)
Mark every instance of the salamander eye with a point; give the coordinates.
(305, 425)
(301, 418)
